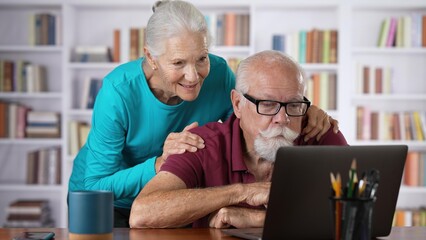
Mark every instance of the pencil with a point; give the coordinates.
(352, 174)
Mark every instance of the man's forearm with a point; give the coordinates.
(175, 208)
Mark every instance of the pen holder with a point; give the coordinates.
(352, 218)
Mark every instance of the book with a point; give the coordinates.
(326, 46)
(366, 79)
(424, 31)
(332, 90)
(27, 206)
(411, 173)
(418, 128)
(378, 80)
(406, 31)
(220, 30)
(92, 54)
(134, 44)
(73, 145)
(3, 121)
(230, 29)
(116, 45)
(384, 32)
(333, 46)
(390, 41)
(245, 39)
(302, 47)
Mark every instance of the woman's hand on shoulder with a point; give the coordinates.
(318, 123)
(178, 143)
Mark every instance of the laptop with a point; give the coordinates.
(299, 205)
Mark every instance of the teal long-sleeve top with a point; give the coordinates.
(130, 125)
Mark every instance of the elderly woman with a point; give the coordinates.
(145, 107)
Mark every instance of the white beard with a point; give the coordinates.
(269, 141)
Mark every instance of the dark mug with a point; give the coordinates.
(90, 215)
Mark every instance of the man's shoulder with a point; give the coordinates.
(329, 138)
(212, 131)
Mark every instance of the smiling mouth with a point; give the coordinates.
(188, 86)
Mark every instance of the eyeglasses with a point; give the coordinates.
(271, 108)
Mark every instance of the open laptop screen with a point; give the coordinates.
(299, 205)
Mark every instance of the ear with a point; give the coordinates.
(236, 102)
(149, 58)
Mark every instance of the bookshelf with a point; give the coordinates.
(91, 23)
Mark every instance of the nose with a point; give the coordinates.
(281, 117)
(191, 73)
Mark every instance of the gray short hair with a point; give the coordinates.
(173, 18)
(267, 57)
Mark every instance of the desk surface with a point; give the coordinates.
(398, 233)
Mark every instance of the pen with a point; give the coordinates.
(352, 177)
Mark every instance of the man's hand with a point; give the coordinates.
(318, 123)
(255, 194)
(237, 217)
(178, 143)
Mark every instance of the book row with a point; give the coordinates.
(229, 29)
(45, 29)
(414, 171)
(313, 46)
(78, 132)
(22, 76)
(374, 79)
(19, 121)
(403, 31)
(134, 40)
(322, 90)
(44, 166)
(380, 125)
(409, 217)
(29, 213)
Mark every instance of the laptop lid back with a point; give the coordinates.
(299, 205)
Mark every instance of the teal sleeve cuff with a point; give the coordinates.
(149, 172)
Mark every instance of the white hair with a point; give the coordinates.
(170, 19)
(269, 57)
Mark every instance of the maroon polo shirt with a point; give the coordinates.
(221, 161)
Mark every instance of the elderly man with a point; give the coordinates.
(227, 183)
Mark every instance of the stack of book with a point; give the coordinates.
(408, 217)
(29, 213)
(404, 31)
(314, 46)
(44, 166)
(92, 54)
(43, 124)
(22, 76)
(229, 29)
(12, 119)
(381, 125)
(322, 90)
(374, 79)
(128, 43)
(414, 171)
(45, 29)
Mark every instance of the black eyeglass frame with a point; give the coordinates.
(282, 104)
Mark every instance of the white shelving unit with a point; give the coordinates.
(408, 81)
(92, 23)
